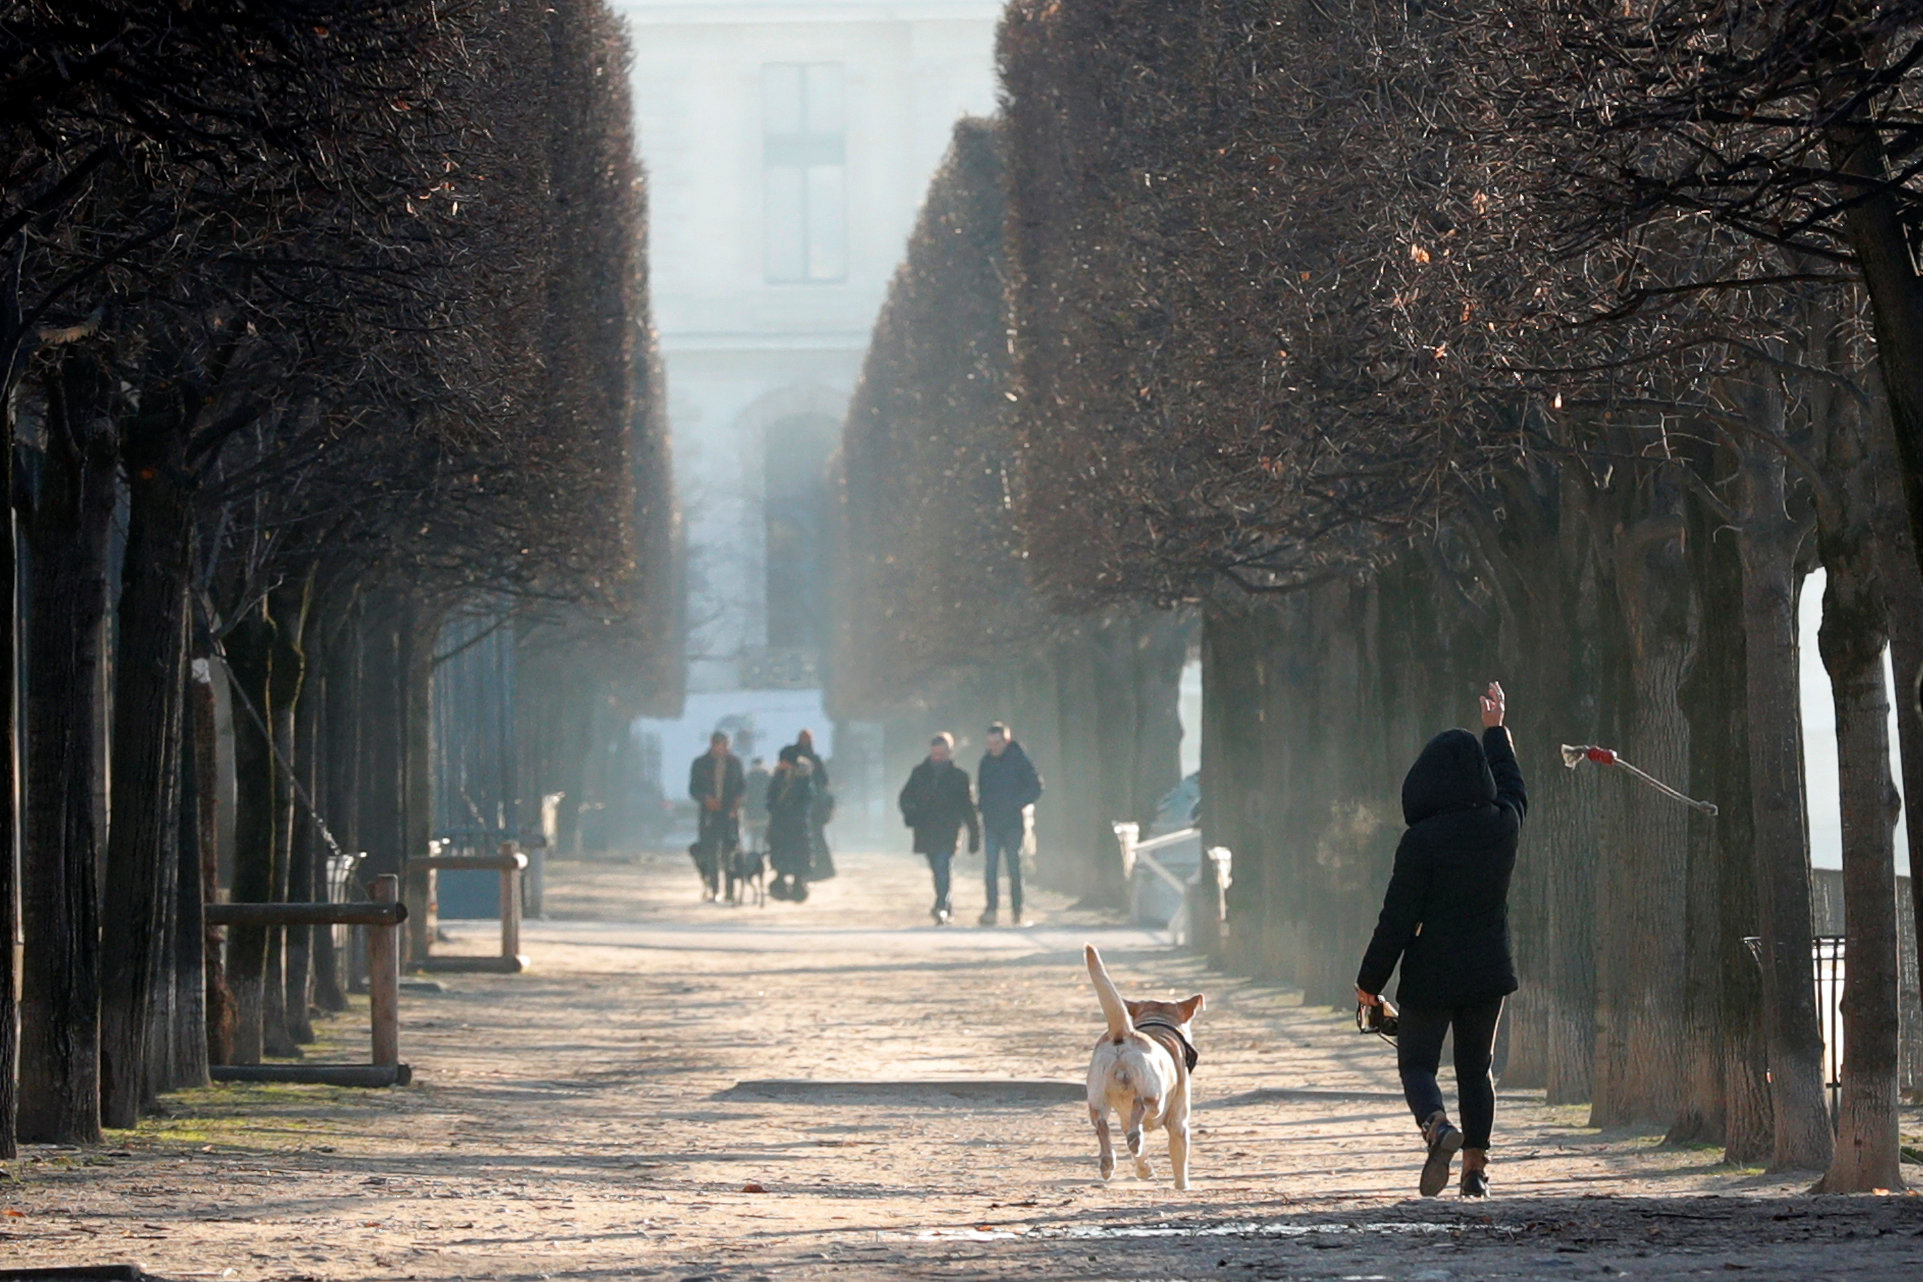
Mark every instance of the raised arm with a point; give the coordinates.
(1503, 765)
(1501, 753)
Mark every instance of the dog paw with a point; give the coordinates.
(1144, 1170)
(1108, 1172)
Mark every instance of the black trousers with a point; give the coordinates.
(1419, 1055)
(717, 836)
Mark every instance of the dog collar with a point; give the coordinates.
(1189, 1052)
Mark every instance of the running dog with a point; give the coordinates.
(1141, 1070)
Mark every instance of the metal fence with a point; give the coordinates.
(1828, 969)
(1826, 905)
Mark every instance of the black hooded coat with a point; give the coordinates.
(1446, 913)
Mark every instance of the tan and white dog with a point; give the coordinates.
(1141, 1070)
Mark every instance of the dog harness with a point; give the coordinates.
(1164, 1032)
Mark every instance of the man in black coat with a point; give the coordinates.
(938, 803)
(1446, 917)
(1006, 783)
(717, 785)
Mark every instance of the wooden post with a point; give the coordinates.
(384, 976)
(511, 866)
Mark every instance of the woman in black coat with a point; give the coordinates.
(791, 800)
(1446, 917)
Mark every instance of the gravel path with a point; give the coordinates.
(696, 1092)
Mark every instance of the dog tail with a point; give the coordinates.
(1113, 1008)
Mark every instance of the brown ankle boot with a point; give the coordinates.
(1444, 1141)
(1475, 1172)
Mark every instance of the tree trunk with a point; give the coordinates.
(1713, 689)
(1749, 1126)
(142, 841)
(186, 961)
(11, 942)
(1572, 840)
(1074, 818)
(220, 1008)
(1879, 234)
(1232, 773)
(1642, 967)
(381, 696)
(1794, 1042)
(417, 640)
(293, 825)
(67, 538)
(1868, 1149)
(340, 701)
(249, 647)
(10, 937)
(1903, 602)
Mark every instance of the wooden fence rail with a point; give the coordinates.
(511, 864)
(383, 917)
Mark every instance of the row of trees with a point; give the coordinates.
(1417, 346)
(937, 623)
(319, 319)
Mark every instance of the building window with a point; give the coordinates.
(804, 172)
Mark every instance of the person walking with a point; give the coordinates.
(716, 784)
(824, 809)
(791, 799)
(1006, 784)
(1446, 917)
(937, 803)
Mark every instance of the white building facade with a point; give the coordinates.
(788, 145)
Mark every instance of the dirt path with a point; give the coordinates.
(600, 1117)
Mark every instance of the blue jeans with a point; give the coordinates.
(938, 861)
(998, 842)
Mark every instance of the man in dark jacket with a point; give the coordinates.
(938, 803)
(716, 783)
(1006, 783)
(1446, 916)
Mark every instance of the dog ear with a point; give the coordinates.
(1134, 1007)
(1192, 1006)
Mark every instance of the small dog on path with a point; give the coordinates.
(1141, 1070)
